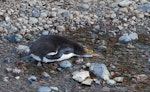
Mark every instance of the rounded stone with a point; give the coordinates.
(44, 89)
(65, 64)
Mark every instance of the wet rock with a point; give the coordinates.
(60, 28)
(65, 64)
(33, 20)
(125, 3)
(36, 13)
(87, 81)
(119, 79)
(23, 49)
(100, 70)
(80, 75)
(44, 89)
(32, 78)
(14, 37)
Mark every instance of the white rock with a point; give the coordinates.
(140, 77)
(133, 36)
(33, 20)
(55, 89)
(124, 38)
(44, 89)
(60, 28)
(23, 48)
(7, 19)
(87, 81)
(16, 71)
(80, 75)
(45, 74)
(111, 82)
(119, 79)
(124, 3)
(43, 14)
(120, 27)
(100, 70)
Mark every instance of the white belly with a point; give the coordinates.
(63, 57)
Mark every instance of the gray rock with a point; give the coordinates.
(35, 13)
(7, 19)
(149, 61)
(44, 89)
(133, 36)
(100, 70)
(23, 49)
(33, 20)
(125, 3)
(14, 37)
(65, 64)
(111, 82)
(84, 6)
(43, 14)
(144, 7)
(124, 38)
(32, 78)
(45, 32)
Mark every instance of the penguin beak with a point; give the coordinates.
(89, 53)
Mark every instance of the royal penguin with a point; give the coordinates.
(51, 48)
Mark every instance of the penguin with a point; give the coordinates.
(51, 48)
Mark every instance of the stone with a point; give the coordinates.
(16, 71)
(14, 38)
(125, 3)
(80, 75)
(33, 20)
(46, 75)
(55, 89)
(87, 81)
(65, 64)
(44, 89)
(144, 7)
(100, 70)
(7, 19)
(43, 15)
(119, 79)
(36, 13)
(133, 36)
(149, 61)
(124, 38)
(32, 78)
(60, 28)
(45, 32)
(111, 82)
(23, 49)
(84, 6)
(140, 78)
(105, 89)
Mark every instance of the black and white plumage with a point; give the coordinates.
(51, 48)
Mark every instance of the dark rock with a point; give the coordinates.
(36, 13)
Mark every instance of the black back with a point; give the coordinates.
(52, 43)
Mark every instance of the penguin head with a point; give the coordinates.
(82, 51)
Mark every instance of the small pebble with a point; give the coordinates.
(111, 82)
(32, 78)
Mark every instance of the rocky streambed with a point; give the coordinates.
(118, 31)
